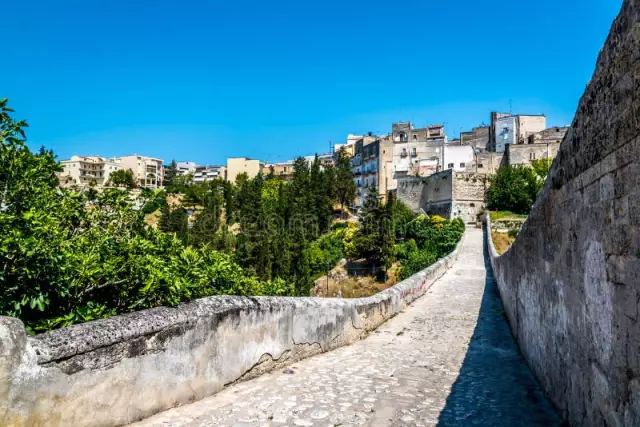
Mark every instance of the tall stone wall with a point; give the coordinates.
(571, 282)
(448, 194)
(115, 371)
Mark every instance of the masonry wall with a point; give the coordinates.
(469, 190)
(571, 282)
(524, 154)
(115, 371)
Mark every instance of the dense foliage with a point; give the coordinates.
(427, 239)
(122, 178)
(514, 188)
(69, 256)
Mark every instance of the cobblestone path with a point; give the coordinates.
(448, 360)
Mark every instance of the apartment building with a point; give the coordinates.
(87, 171)
(285, 169)
(372, 167)
(239, 165)
(147, 171)
(513, 129)
(185, 168)
(203, 174)
(417, 152)
(282, 169)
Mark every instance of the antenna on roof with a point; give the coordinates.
(510, 106)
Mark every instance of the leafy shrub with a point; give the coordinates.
(513, 233)
(514, 188)
(67, 257)
(430, 238)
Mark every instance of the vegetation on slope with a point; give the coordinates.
(73, 255)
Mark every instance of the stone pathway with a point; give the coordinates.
(448, 360)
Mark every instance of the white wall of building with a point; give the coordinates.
(458, 157)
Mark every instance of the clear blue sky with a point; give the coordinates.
(204, 80)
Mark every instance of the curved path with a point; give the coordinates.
(449, 360)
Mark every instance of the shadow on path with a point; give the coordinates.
(495, 386)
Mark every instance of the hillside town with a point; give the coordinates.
(411, 162)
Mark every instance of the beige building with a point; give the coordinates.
(417, 152)
(238, 165)
(87, 171)
(283, 169)
(372, 166)
(147, 171)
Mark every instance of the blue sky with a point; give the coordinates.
(205, 80)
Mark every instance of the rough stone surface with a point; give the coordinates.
(448, 360)
(449, 194)
(571, 281)
(118, 370)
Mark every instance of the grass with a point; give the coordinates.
(353, 287)
(498, 215)
(502, 241)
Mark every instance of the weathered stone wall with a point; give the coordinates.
(409, 191)
(469, 190)
(571, 282)
(524, 154)
(118, 370)
(448, 194)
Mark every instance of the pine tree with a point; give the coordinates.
(345, 189)
(387, 231)
(207, 222)
(165, 218)
(170, 174)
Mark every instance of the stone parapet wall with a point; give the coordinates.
(570, 283)
(115, 371)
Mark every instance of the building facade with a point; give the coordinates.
(514, 129)
(147, 171)
(458, 157)
(87, 171)
(239, 165)
(417, 152)
(203, 174)
(282, 169)
(185, 168)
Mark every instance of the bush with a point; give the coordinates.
(513, 233)
(430, 238)
(514, 188)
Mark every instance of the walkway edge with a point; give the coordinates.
(122, 369)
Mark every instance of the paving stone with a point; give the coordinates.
(456, 364)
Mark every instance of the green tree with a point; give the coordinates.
(123, 178)
(170, 173)
(387, 231)
(513, 188)
(345, 189)
(542, 167)
(207, 222)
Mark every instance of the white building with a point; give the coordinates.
(185, 168)
(87, 171)
(147, 171)
(208, 173)
(458, 157)
(514, 129)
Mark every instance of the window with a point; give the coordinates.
(480, 165)
(450, 165)
(415, 137)
(462, 165)
(532, 156)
